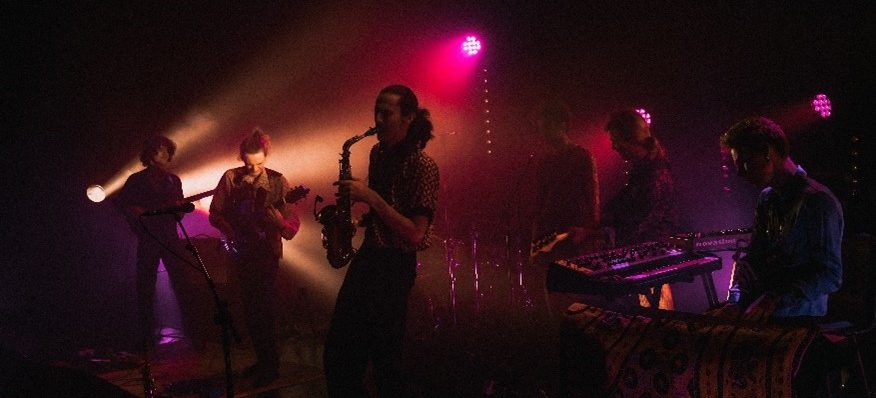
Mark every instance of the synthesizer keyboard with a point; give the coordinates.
(632, 269)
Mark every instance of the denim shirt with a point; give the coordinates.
(795, 251)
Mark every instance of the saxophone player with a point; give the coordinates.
(248, 208)
(402, 190)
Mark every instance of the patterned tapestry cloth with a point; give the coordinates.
(687, 355)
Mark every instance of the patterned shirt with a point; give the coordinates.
(408, 181)
(644, 210)
(795, 250)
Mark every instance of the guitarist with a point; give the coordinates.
(248, 208)
(567, 196)
(152, 188)
(565, 223)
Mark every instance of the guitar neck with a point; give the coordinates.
(199, 196)
(291, 197)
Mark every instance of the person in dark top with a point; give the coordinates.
(368, 324)
(566, 221)
(248, 208)
(152, 188)
(645, 208)
(567, 188)
(565, 225)
(794, 261)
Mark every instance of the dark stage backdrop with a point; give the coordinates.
(87, 83)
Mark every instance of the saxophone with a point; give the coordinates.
(337, 226)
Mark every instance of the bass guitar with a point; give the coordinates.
(254, 231)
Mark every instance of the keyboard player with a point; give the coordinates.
(645, 209)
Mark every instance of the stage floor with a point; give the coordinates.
(181, 370)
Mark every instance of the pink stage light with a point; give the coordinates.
(471, 46)
(821, 105)
(645, 115)
(447, 69)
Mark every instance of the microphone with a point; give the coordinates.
(183, 208)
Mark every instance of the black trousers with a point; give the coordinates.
(149, 253)
(369, 324)
(256, 270)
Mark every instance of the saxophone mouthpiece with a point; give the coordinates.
(371, 131)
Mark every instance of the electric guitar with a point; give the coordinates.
(233, 246)
(546, 243)
(591, 238)
(199, 196)
(133, 219)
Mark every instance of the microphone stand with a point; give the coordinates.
(222, 317)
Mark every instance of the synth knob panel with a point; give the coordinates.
(618, 259)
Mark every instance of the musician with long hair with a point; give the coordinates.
(248, 208)
(368, 324)
(645, 208)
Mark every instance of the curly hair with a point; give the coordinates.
(255, 142)
(151, 146)
(757, 133)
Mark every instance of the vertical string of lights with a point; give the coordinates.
(484, 89)
(726, 162)
(487, 139)
(471, 47)
(854, 177)
(821, 105)
(725, 168)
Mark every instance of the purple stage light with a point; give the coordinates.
(821, 105)
(471, 46)
(645, 115)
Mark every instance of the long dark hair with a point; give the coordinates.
(420, 130)
(630, 126)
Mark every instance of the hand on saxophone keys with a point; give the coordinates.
(358, 191)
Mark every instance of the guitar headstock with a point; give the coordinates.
(547, 242)
(297, 193)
